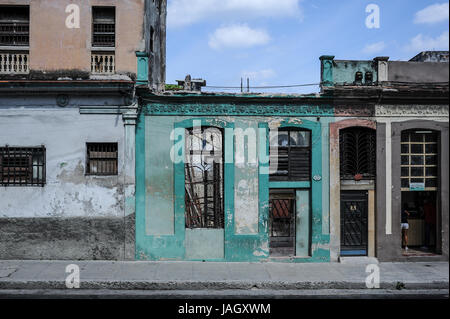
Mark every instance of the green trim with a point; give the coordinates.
(319, 242)
(199, 109)
(179, 175)
(249, 247)
(142, 68)
(296, 185)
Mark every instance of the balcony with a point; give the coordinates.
(103, 63)
(14, 62)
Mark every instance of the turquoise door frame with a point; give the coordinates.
(318, 241)
(209, 251)
(237, 247)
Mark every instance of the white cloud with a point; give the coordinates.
(258, 75)
(238, 36)
(186, 12)
(373, 48)
(432, 14)
(425, 43)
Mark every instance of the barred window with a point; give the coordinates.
(22, 166)
(290, 155)
(204, 188)
(103, 27)
(14, 25)
(419, 160)
(357, 147)
(102, 159)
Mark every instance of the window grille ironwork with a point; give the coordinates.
(419, 159)
(357, 153)
(290, 155)
(14, 26)
(102, 159)
(282, 228)
(103, 27)
(204, 171)
(22, 166)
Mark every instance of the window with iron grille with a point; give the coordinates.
(204, 200)
(14, 25)
(103, 27)
(357, 148)
(102, 159)
(290, 155)
(22, 166)
(419, 159)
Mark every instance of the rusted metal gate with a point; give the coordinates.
(282, 225)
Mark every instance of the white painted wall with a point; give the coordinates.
(68, 192)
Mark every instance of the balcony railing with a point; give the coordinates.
(103, 63)
(14, 63)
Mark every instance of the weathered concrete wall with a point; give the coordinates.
(391, 120)
(51, 42)
(155, 18)
(161, 233)
(42, 222)
(344, 71)
(418, 72)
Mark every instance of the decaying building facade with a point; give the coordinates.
(389, 148)
(97, 162)
(299, 178)
(67, 122)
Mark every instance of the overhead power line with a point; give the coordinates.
(262, 87)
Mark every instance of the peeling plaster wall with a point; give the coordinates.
(42, 222)
(161, 233)
(344, 71)
(388, 232)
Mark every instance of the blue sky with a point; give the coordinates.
(279, 42)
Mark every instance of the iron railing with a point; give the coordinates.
(102, 159)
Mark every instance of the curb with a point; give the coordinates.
(219, 285)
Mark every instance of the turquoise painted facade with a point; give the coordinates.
(160, 190)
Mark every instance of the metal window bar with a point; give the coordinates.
(281, 221)
(22, 166)
(357, 153)
(204, 201)
(294, 162)
(419, 160)
(102, 159)
(14, 26)
(103, 27)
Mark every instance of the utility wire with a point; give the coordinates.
(262, 87)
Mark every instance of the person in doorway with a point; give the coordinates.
(429, 210)
(405, 226)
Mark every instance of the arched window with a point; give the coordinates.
(290, 155)
(204, 200)
(357, 153)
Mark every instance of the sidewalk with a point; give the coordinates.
(173, 277)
